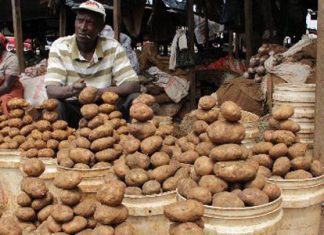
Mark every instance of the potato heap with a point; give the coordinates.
(9, 226)
(146, 165)
(96, 144)
(35, 200)
(110, 214)
(186, 216)
(256, 68)
(281, 154)
(222, 176)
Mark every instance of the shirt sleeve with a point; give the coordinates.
(12, 66)
(56, 71)
(122, 70)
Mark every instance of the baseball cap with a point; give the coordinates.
(93, 6)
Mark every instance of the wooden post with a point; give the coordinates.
(230, 42)
(16, 15)
(191, 47)
(62, 26)
(117, 18)
(248, 28)
(319, 95)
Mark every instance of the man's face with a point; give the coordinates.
(87, 26)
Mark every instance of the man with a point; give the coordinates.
(88, 59)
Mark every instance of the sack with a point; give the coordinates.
(34, 89)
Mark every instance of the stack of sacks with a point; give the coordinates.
(222, 176)
(281, 154)
(35, 199)
(186, 216)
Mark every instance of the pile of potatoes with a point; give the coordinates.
(96, 144)
(186, 216)
(281, 155)
(222, 175)
(9, 226)
(35, 200)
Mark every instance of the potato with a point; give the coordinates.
(59, 135)
(230, 111)
(109, 97)
(81, 166)
(184, 211)
(151, 187)
(34, 187)
(286, 137)
(262, 170)
(141, 112)
(136, 177)
(27, 129)
(109, 154)
(83, 122)
(133, 191)
(50, 116)
(213, 183)
(62, 213)
(303, 163)
(258, 182)
(262, 148)
(169, 140)
(160, 159)
(47, 135)
(92, 223)
(111, 194)
(43, 125)
(171, 150)
(227, 199)
(297, 150)
(15, 122)
(40, 144)
(268, 136)
(207, 102)
(120, 168)
(86, 208)
(289, 125)
(226, 152)
(82, 142)
(101, 131)
(32, 153)
(161, 173)
(81, 155)
(185, 145)
(103, 230)
(46, 153)
(33, 167)
(68, 180)
(274, 123)
(298, 174)
(263, 160)
(272, 190)
(316, 168)
(13, 132)
(23, 199)
(207, 116)
(147, 99)
(124, 229)
(142, 130)
(39, 204)
(137, 160)
(50, 104)
(203, 166)
(281, 166)
(235, 171)
(95, 122)
(44, 213)
(88, 95)
(107, 108)
(278, 150)
(191, 137)
(224, 132)
(52, 225)
(102, 143)
(59, 125)
(16, 113)
(200, 194)
(200, 127)
(89, 111)
(254, 197)
(204, 148)
(188, 157)
(70, 197)
(170, 183)
(123, 130)
(186, 228)
(100, 165)
(52, 144)
(283, 112)
(110, 215)
(77, 224)
(151, 144)
(185, 185)
(25, 214)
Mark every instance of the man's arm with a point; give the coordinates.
(62, 92)
(124, 89)
(9, 81)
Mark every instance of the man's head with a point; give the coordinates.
(3, 42)
(89, 21)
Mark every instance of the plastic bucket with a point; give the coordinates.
(302, 205)
(10, 178)
(146, 212)
(264, 219)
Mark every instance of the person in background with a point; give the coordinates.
(88, 59)
(10, 86)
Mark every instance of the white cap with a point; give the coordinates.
(93, 6)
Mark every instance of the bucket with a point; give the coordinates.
(264, 219)
(10, 178)
(301, 204)
(146, 212)
(250, 121)
(302, 98)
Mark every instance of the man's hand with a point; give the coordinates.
(78, 86)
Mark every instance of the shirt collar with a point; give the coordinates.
(76, 55)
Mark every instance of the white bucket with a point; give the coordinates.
(302, 205)
(264, 219)
(146, 212)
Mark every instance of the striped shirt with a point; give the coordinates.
(108, 66)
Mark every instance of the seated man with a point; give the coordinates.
(88, 59)
(10, 85)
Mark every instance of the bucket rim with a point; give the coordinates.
(150, 196)
(82, 170)
(296, 180)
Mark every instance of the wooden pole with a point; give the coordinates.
(319, 95)
(230, 42)
(191, 47)
(117, 19)
(62, 26)
(248, 28)
(16, 15)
